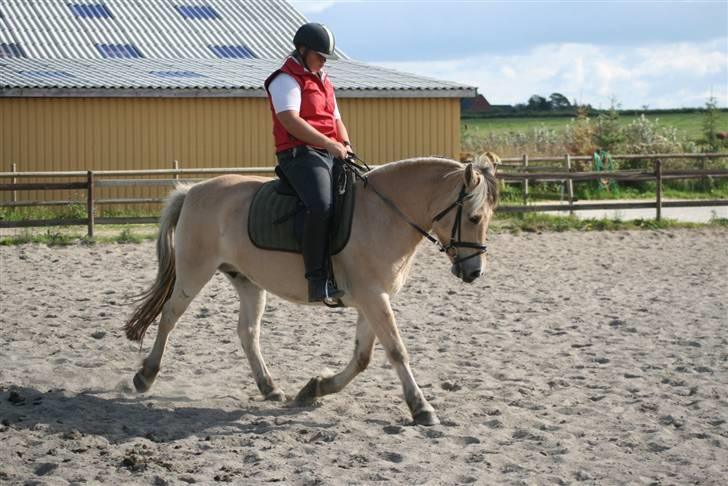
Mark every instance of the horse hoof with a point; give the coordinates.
(308, 393)
(276, 396)
(140, 383)
(426, 417)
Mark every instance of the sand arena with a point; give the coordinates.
(595, 357)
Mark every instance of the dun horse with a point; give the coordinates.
(203, 228)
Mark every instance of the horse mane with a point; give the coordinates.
(487, 192)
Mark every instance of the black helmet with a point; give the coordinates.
(316, 37)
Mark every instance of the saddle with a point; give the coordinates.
(275, 220)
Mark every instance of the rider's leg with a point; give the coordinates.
(310, 175)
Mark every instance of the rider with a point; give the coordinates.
(309, 134)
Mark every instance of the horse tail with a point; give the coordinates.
(152, 300)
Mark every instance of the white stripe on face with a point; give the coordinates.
(331, 38)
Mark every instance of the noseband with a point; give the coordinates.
(455, 242)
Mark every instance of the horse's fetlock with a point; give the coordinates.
(398, 355)
(265, 386)
(149, 371)
(317, 387)
(362, 361)
(310, 392)
(414, 405)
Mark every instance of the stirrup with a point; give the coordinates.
(333, 300)
(322, 290)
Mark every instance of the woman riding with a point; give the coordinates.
(309, 134)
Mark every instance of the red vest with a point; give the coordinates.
(317, 105)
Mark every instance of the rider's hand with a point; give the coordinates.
(337, 150)
(349, 149)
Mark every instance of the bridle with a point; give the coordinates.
(451, 249)
(454, 243)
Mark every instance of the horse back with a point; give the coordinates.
(218, 203)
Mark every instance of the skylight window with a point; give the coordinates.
(177, 74)
(91, 10)
(118, 50)
(11, 50)
(232, 52)
(47, 74)
(197, 12)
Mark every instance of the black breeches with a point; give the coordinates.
(310, 175)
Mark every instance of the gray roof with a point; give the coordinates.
(152, 28)
(201, 77)
(170, 48)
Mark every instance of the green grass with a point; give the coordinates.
(502, 223)
(584, 191)
(536, 223)
(64, 236)
(70, 211)
(689, 125)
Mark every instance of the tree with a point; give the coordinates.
(608, 133)
(538, 103)
(710, 124)
(559, 101)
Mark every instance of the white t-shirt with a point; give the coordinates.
(285, 93)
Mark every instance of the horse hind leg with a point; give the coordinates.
(189, 281)
(252, 305)
(363, 347)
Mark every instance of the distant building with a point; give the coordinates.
(120, 84)
(474, 106)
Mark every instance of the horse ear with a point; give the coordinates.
(471, 176)
(489, 162)
(489, 167)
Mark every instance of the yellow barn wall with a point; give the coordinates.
(61, 134)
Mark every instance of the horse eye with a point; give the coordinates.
(475, 219)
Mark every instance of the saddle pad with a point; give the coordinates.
(268, 232)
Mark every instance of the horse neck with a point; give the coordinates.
(418, 187)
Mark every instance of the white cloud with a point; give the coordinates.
(311, 6)
(664, 76)
(508, 72)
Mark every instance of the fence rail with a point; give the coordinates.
(566, 175)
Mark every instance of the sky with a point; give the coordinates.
(659, 54)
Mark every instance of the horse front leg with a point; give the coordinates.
(363, 346)
(252, 305)
(378, 313)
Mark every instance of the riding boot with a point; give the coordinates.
(315, 234)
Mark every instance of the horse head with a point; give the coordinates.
(462, 227)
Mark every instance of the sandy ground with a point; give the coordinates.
(592, 358)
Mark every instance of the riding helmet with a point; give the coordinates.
(316, 37)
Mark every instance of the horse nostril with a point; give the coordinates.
(472, 276)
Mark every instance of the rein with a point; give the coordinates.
(360, 171)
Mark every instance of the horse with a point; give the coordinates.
(203, 229)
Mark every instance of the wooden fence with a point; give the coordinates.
(511, 169)
(566, 176)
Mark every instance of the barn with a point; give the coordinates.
(119, 84)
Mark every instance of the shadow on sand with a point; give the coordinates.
(120, 419)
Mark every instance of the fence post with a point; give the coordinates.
(525, 181)
(14, 180)
(570, 186)
(175, 166)
(90, 203)
(658, 189)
